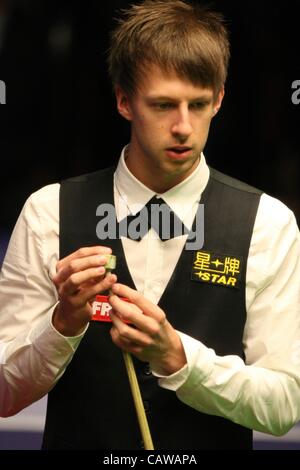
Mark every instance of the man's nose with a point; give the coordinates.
(181, 126)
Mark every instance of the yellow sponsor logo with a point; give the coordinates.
(216, 269)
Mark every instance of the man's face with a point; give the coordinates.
(170, 119)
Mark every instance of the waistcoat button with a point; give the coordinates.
(147, 370)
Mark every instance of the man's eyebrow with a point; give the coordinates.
(203, 98)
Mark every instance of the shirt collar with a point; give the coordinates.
(180, 198)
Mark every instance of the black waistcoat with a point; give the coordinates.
(91, 405)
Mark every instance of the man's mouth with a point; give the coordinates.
(179, 152)
(179, 149)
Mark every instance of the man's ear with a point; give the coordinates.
(218, 101)
(123, 103)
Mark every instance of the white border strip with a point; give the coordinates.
(36, 422)
(33, 423)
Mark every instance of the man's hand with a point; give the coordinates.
(149, 336)
(79, 278)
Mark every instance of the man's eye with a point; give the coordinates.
(197, 105)
(164, 106)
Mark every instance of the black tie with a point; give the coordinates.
(156, 214)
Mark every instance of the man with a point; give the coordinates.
(215, 328)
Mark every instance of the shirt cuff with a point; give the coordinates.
(195, 351)
(52, 344)
(73, 341)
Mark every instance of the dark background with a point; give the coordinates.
(60, 117)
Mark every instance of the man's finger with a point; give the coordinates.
(76, 265)
(127, 333)
(134, 314)
(147, 307)
(76, 280)
(84, 253)
(87, 295)
(81, 296)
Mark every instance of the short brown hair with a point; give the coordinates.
(190, 40)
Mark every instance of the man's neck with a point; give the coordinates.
(155, 180)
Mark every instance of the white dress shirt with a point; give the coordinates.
(262, 393)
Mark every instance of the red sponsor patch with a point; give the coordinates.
(102, 308)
